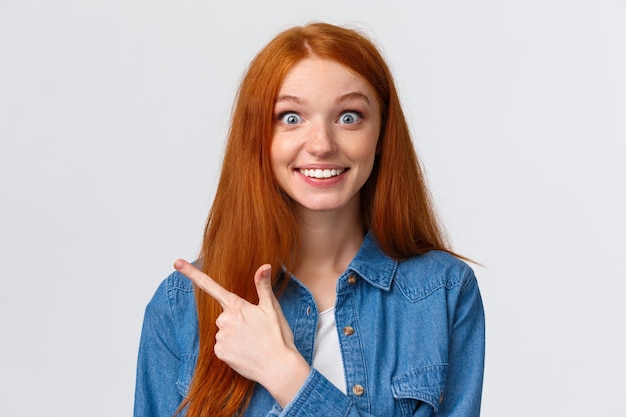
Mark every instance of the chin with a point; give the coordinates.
(323, 206)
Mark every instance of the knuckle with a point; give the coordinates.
(217, 349)
(222, 320)
(218, 338)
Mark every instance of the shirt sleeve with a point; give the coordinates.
(466, 356)
(158, 364)
(318, 397)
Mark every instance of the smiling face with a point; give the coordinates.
(326, 128)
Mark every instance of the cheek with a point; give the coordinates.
(283, 150)
(367, 157)
(276, 153)
(281, 158)
(367, 150)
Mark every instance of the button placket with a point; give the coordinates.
(351, 348)
(304, 324)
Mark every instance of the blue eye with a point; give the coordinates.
(290, 118)
(349, 117)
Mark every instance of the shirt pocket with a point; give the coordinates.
(418, 387)
(185, 373)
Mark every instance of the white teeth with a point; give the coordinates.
(321, 173)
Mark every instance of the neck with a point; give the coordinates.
(330, 239)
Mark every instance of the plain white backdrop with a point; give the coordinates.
(112, 120)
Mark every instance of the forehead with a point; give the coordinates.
(318, 75)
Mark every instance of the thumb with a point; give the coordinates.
(268, 301)
(263, 283)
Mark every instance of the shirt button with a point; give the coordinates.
(348, 330)
(308, 310)
(441, 398)
(358, 390)
(351, 280)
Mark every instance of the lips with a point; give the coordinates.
(320, 173)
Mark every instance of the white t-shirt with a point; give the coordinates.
(327, 354)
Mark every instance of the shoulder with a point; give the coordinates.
(421, 275)
(174, 300)
(171, 288)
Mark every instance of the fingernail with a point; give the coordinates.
(179, 264)
(266, 271)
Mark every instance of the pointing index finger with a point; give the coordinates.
(203, 281)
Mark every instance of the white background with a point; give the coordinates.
(112, 120)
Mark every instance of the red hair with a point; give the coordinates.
(251, 221)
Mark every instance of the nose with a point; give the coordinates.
(321, 140)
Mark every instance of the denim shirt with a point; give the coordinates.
(411, 334)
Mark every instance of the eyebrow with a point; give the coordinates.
(354, 95)
(284, 98)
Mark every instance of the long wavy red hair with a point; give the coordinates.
(251, 221)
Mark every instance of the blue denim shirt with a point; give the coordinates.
(411, 334)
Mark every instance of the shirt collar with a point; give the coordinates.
(374, 266)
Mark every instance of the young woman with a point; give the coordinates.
(324, 286)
